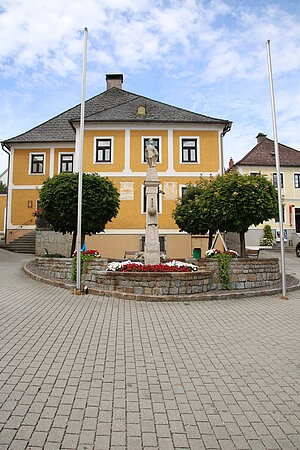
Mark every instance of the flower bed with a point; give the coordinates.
(213, 253)
(171, 266)
(166, 286)
(93, 253)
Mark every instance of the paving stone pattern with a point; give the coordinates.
(93, 373)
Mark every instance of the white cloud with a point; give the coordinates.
(46, 34)
(212, 55)
(229, 40)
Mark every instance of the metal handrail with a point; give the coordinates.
(19, 227)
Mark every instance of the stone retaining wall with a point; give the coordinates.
(154, 284)
(245, 274)
(53, 242)
(61, 268)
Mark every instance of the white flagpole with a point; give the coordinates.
(80, 151)
(283, 295)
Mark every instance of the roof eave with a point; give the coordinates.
(151, 121)
(12, 142)
(266, 164)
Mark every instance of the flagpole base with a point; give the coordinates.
(78, 291)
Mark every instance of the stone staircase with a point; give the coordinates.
(2, 241)
(276, 248)
(23, 244)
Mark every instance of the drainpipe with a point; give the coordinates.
(7, 151)
(225, 130)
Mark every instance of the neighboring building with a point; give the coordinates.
(261, 160)
(118, 125)
(3, 176)
(2, 212)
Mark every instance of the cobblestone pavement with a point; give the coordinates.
(91, 373)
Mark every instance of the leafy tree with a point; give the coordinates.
(59, 197)
(232, 202)
(3, 188)
(191, 213)
(239, 201)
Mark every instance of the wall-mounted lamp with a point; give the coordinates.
(29, 204)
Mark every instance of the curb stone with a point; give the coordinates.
(293, 284)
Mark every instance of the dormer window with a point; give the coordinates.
(141, 111)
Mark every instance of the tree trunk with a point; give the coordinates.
(73, 243)
(242, 245)
(210, 239)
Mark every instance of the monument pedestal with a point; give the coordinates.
(152, 249)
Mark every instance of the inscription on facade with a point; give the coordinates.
(170, 190)
(126, 190)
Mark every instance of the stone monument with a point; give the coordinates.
(152, 249)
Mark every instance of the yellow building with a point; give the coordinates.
(261, 160)
(2, 212)
(118, 125)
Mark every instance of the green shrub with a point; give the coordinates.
(267, 238)
(83, 265)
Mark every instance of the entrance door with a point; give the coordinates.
(297, 220)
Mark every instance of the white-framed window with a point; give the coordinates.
(37, 162)
(283, 215)
(182, 190)
(274, 180)
(103, 150)
(189, 150)
(297, 180)
(144, 199)
(162, 243)
(256, 174)
(65, 162)
(156, 144)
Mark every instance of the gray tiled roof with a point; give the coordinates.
(114, 105)
(263, 155)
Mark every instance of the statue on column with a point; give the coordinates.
(151, 154)
(152, 250)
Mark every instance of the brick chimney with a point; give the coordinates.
(114, 80)
(260, 137)
(231, 163)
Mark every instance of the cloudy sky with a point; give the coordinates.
(205, 56)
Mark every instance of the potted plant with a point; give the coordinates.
(267, 239)
(40, 222)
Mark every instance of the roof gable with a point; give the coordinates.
(263, 155)
(113, 105)
(155, 112)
